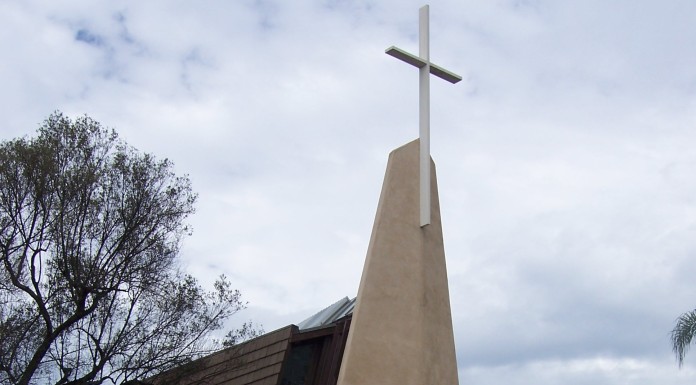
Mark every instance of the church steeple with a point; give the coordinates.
(401, 332)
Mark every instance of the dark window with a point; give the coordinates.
(301, 366)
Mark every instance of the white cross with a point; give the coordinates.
(425, 67)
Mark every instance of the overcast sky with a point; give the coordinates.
(565, 157)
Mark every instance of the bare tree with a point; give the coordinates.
(90, 291)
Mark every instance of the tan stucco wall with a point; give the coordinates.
(401, 333)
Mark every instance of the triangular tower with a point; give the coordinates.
(401, 332)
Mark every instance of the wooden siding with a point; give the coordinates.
(262, 360)
(256, 362)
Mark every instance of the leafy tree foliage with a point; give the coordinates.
(682, 335)
(90, 291)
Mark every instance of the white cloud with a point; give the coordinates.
(599, 370)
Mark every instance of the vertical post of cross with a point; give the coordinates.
(424, 114)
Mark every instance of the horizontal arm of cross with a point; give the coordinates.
(420, 63)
